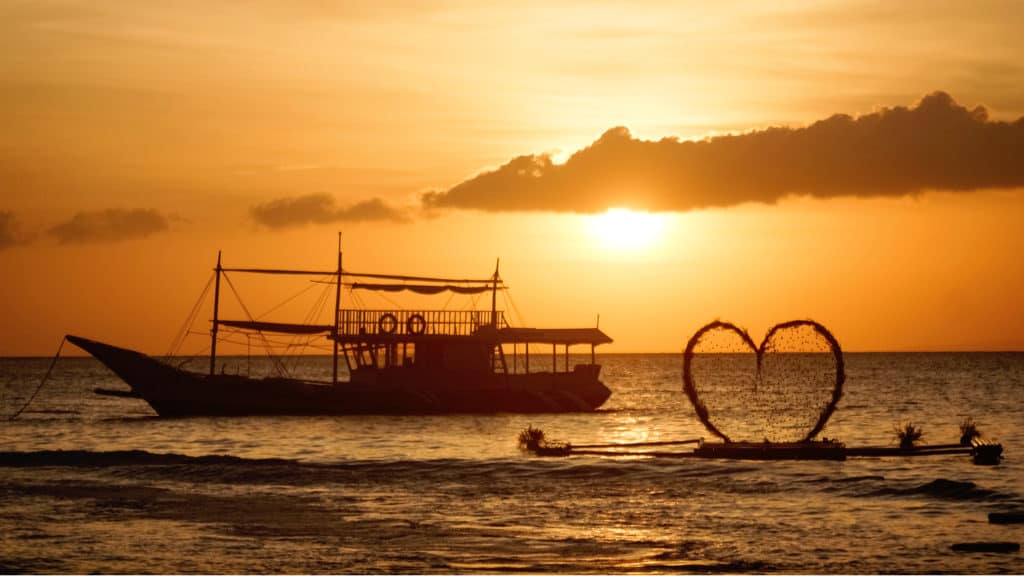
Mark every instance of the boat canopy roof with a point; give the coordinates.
(421, 288)
(548, 335)
(405, 278)
(282, 327)
(490, 282)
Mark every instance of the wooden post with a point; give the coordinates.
(504, 363)
(216, 306)
(554, 357)
(494, 296)
(566, 357)
(527, 358)
(348, 361)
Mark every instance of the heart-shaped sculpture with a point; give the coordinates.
(784, 390)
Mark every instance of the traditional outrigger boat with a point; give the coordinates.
(399, 361)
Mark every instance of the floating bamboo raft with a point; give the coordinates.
(772, 450)
(982, 452)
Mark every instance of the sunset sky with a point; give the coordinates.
(662, 164)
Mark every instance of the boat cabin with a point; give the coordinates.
(424, 342)
(460, 341)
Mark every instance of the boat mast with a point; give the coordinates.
(494, 295)
(337, 306)
(216, 305)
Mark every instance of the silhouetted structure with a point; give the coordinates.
(399, 361)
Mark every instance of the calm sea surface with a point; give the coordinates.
(131, 492)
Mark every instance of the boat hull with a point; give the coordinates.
(174, 392)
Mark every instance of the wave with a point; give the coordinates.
(527, 465)
(87, 458)
(944, 489)
(236, 469)
(659, 476)
(848, 479)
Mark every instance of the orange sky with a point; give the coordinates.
(140, 138)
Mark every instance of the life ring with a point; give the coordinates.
(416, 324)
(387, 323)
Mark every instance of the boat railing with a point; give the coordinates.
(355, 322)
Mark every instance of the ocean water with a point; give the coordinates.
(91, 483)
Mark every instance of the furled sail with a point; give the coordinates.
(282, 327)
(422, 288)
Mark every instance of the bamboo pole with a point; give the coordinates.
(216, 306)
(337, 307)
(631, 444)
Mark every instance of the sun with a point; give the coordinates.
(624, 230)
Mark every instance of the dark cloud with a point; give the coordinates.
(7, 226)
(936, 145)
(321, 209)
(111, 225)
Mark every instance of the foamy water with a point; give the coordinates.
(92, 483)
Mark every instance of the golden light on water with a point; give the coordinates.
(622, 229)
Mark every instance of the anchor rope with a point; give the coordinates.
(43, 381)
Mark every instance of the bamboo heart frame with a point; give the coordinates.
(702, 410)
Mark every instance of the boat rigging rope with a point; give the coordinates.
(302, 343)
(281, 304)
(318, 307)
(282, 371)
(355, 298)
(448, 301)
(43, 381)
(186, 328)
(512, 303)
(394, 305)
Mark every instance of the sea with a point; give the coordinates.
(92, 483)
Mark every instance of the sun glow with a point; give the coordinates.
(626, 230)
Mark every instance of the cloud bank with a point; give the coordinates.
(113, 225)
(321, 209)
(935, 145)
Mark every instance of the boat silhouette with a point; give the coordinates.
(399, 361)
